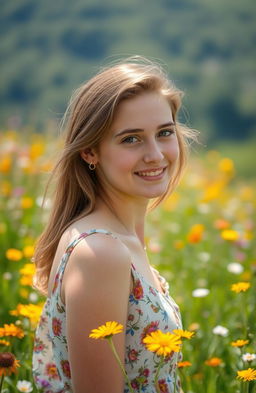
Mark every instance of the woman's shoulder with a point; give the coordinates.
(96, 239)
(100, 263)
(100, 246)
(94, 246)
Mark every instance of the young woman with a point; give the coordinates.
(124, 147)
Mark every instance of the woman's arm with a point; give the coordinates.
(96, 285)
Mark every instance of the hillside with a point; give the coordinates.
(208, 47)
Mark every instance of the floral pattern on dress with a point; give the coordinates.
(148, 310)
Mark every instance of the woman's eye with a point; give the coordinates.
(166, 132)
(130, 139)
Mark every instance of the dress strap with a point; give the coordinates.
(83, 235)
(63, 262)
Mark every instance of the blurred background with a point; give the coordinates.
(48, 48)
(204, 233)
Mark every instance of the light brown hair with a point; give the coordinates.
(88, 117)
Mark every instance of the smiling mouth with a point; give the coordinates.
(151, 173)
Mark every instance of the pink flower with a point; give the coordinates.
(138, 290)
(51, 371)
(152, 327)
(56, 326)
(163, 386)
(66, 368)
(133, 355)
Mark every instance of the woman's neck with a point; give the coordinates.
(126, 215)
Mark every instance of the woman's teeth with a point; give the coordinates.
(151, 173)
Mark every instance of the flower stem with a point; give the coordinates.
(1, 383)
(110, 341)
(244, 387)
(157, 374)
(244, 316)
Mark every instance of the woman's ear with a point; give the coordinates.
(89, 156)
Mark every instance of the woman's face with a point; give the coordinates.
(137, 157)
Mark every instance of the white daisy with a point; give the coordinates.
(200, 292)
(24, 386)
(248, 357)
(220, 330)
(235, 268)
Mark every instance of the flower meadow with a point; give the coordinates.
(201, 239)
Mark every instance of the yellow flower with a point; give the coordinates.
(247, 375)
(36, 150)
(195, 234)
(178, 244)
(30, 311)
(27, 272)
(183, 333)
(13, 254)
(184, 364)
(4, 342)
(26, 281)
(162, 343)
(11, 330)
(171, 202)
(213, 362)
(240, 287)
(28, 251)
(213, 191)
(8, 364)
(230, 234)
(5, 164)
(5, 188)
(239, 343)
(26, 203)
(24, 293)
(226, 165)
(28, 269)
(106, 331)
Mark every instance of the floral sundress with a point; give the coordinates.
(148, 311)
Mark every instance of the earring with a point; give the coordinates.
(92, 166)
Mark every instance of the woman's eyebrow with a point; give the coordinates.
(134, 130)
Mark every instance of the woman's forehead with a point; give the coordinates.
(147, 109)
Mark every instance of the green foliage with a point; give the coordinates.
(49, 48)
(185, 241)
(243, 154)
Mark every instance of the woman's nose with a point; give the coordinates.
(153, 153)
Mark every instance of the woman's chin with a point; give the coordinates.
(157, 193)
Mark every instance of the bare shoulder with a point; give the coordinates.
(103, 249)
(97, 258)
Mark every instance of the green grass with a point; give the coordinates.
(189, 256)
(243, 155)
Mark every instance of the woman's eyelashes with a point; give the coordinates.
(130, 139)
(166, 132)
(135, 138)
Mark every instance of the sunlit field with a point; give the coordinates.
(201, 239)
